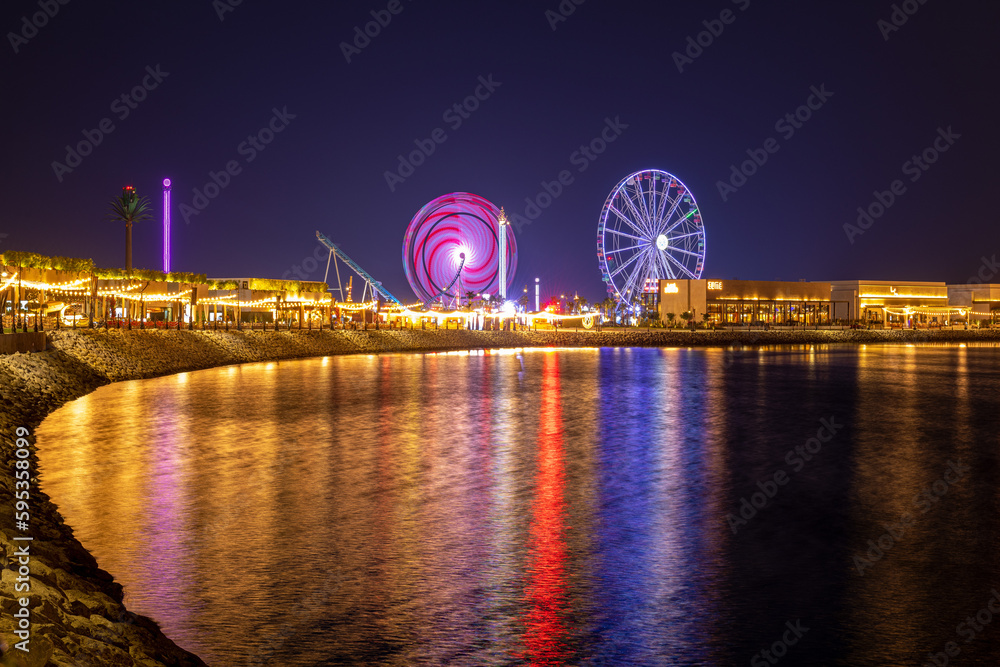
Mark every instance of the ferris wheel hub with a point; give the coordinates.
(661, 242)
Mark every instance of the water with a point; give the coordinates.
(551, 506)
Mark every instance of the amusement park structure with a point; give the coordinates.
(650, 229)
(428, 302)
(462, 245)
(458, 245)
(370, 283)
(459, 238)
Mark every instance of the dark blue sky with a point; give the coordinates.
(607, 60)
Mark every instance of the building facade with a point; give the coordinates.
(899, 303)
(982, 301)
(747, 302)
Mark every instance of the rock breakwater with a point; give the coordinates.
(76, 613)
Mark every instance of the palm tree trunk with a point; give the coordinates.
(93, 300)
(128, 247)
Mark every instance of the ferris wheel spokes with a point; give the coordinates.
(682, 267)
(615, 231)
(643, 204)
(686, 252)
(650, 229)
(635, 276)
(624, 266)
(627, 249)
(680, 222)
(635, 211)
(663, 264)
(627, 221)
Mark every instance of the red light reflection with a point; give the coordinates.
(546, 587)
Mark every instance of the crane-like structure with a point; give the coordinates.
(375, 285)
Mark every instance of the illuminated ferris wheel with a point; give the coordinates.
(650, 229)
(454, 241)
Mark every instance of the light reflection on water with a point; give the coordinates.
(541, 506)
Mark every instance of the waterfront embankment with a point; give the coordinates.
(76, 616)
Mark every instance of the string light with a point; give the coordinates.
(925, 310)
(416, 315)
(903, 296)
(10, 281)
(129, 296)
(68, 286)
(354, 307)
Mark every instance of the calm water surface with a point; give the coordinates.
(551, 507)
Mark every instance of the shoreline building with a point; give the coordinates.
(881, 303)
(895, 303)
(262, 300)
(748, 301)
(982, 301)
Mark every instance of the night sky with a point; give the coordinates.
(556, 81)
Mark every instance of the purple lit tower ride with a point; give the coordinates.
(166, 225)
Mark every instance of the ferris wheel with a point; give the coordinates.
(455, 240)
(650, 229)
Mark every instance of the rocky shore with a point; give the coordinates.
(76, 611)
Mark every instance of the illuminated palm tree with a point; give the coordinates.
(606, 306)
(129, 208)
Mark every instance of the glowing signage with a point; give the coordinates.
(715, 284)
(670, 288)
